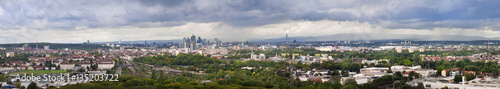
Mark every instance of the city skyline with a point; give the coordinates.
(102, 21)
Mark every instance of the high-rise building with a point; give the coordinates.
(217, 44)
(242, 42)
(199, 40)
(193, 42)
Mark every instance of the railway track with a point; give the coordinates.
(137, 72)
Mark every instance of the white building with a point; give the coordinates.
(46, 47)
(325, 48)
(478, 83)
(105, 66)
(85, 65)
(10, 54)
(370, 62)
(67, 66)
(374, 71)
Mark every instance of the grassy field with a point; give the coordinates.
(38, 72)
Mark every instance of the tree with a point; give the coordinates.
(399, 74)
(384, 79)
(420, 86)
(153, 74)
(58, 67)
(439, 69)
(52, 87)
(151, 81)
(458, 78)
(160, 78)
(18, 85)
(369, 86)
(389, 71)
(469, 76)
(349, 87)
(445, 87)
(32, 86)
(337, 85)
(350, 81)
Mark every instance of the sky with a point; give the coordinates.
(76, 21)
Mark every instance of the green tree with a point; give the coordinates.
(153, 74)
(458, 78)
(369, 86)
(349, 87)
(150, 81)
(420, 86)
(469, 76)
(350, 81)
(52, 87)
(445, 87)
(18, 85)
(399, 74)
(58, 67)
(32, 85)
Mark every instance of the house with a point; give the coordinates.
(406, 74)
(77, 59)
(105, 66)
(217, 56)
(30, 68)
(23, 68)
(67, 66)
(85, 65)
(38, 68)
(373, 71)
(452, 71)
(39, 63)
(97, 72)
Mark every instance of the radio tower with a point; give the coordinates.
(488, 50)
(286, 38)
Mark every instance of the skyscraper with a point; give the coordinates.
(184, 43)
(193, 42)
(217, 42)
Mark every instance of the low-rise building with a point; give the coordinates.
(374, 71)
(67, 66)
(105, 66)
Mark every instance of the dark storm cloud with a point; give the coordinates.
(27, 18)
(55, 14)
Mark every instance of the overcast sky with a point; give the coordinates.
(230, 20)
